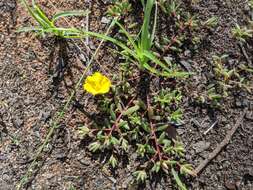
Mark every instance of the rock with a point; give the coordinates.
(44, 115)
(187, 53)
(186, 65)
(60, 156)
(180, 131)
(112, 179)
(241, 102)
(201, 146)
(18, 122)
(230, 185)
(105, 20)
(85, 161)
(127, 181)
(3, 157)
(134, 156)
(105, 1)
(249, 115)
(82, 57)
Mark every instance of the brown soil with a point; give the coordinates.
(35, 83)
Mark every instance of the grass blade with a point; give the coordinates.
(30, 29)
(41, 15)
(153, 58)
(168, 72)
(114, 41)
(122, 54)
(145, 35)
(131, 40)
(83, 33)
(152, 69)
(155, 23)
(32, 13)
(69, 13)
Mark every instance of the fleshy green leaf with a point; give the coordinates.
(113, 161)
(93, 147)
(162, 128)
(83, 130)
(114, 140)
(178, 180)
(140, 175)
(156, 168)
(131, 110)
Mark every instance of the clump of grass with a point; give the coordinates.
(137, 52)
(142, 52)
(211, 22)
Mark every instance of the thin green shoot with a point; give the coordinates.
(44, 23)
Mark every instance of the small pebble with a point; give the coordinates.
(201, 146)
(105, 20)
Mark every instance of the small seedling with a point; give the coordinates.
(241, 34)
(191, 21)
(140, 175)
(213, 96)
(226, 80)
(176, 116)
(71, 187)
(47, 25)
(119, 8)
(210, 97)
(170, 8)
(211, 22)
(220, 70)
(185, 27)
(165, 98)
(251, 3)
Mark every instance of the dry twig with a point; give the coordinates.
(245, 54)
(228, 137)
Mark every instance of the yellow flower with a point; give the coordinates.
(97, 84)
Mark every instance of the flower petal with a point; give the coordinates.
(97, 84)
(105, 85)
(89, 88)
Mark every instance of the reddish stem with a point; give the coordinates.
(158, 151)
(115, 125)
(174, 38)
